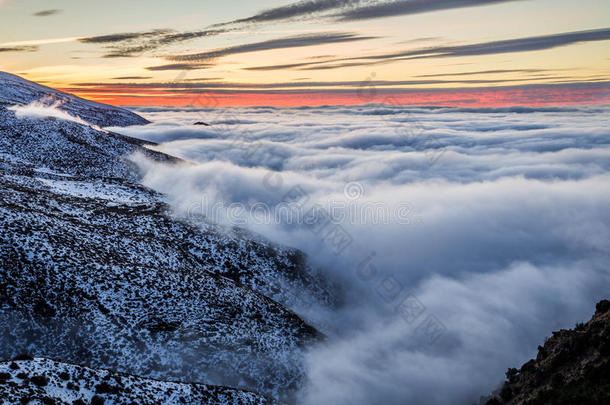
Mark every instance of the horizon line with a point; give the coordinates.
(561, 94)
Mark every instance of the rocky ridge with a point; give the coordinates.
(572, 367)
(95, 269)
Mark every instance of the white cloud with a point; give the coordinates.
(45, 108)
(492, 320)
(507, 237)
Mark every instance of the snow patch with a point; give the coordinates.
(46, 170)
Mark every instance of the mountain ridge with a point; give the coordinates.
(96, 270)
(571, 367)
(15, 90)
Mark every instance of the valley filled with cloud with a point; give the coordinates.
(456, 238)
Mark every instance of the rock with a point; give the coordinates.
(574, 370)
(602, 307)
(39, 380)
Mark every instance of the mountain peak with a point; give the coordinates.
(17, 91)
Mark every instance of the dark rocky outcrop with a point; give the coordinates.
(571, 368)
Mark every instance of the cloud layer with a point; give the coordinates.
(497, 229)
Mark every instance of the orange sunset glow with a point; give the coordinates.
(464, 53)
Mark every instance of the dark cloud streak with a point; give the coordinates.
(526, 44)
(19, 49)
(130, 44)
(282, 67)
(485, 72)
(280, 43)
(181, 66)
(132, 78)
(405, 7)
(122, 37)
(296, 10)
(46, 13)
(349, 10)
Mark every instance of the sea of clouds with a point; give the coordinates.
(458, 238)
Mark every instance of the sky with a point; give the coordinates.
(313, 52)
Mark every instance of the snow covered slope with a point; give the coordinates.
(95, 270)
(15, 90)
(44, 381)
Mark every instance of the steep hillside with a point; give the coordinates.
(573, 367)
(95, 270)
(50, 382)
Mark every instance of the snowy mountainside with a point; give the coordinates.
(47, 381)
(96, 271)
(16, 90)
(69, 146)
